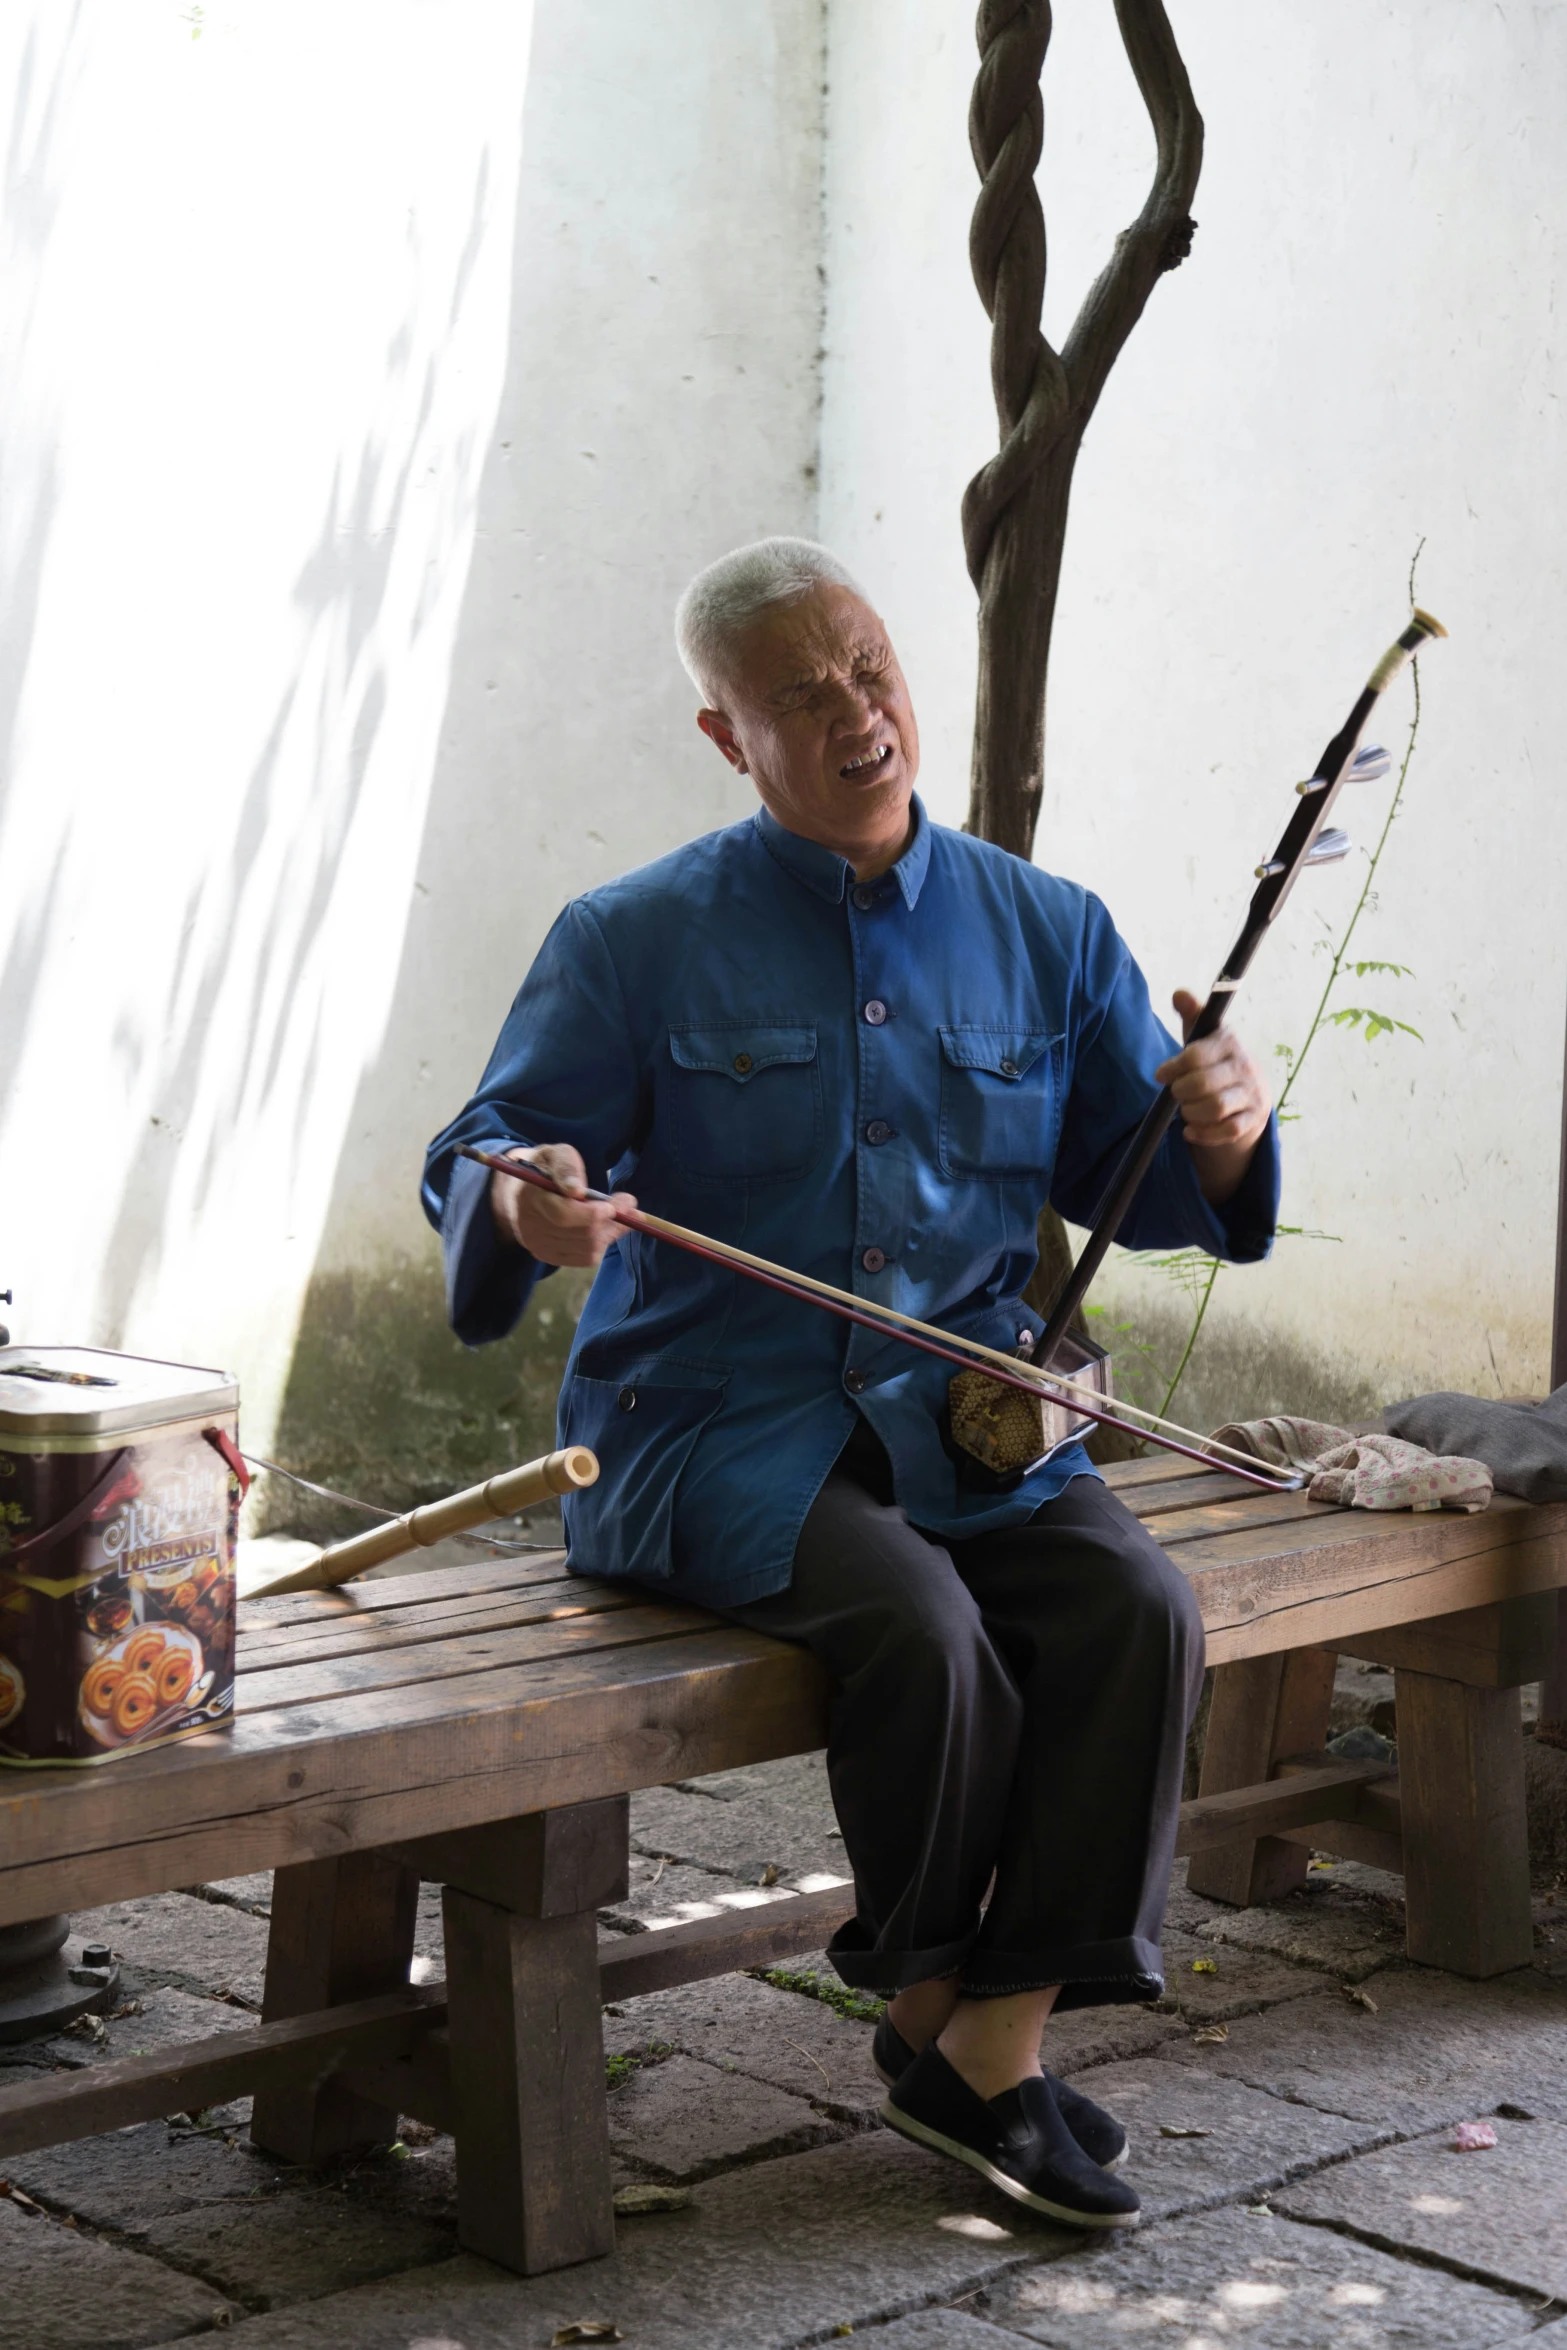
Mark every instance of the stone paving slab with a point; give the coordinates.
(146, 2172)
(936, 2329)
(63, 2290)
(682, 2119)
(1501, 2213)
(764, 2259)
(1228, 2276)
(296, 2247)
(165, 2018)
(1087, 2036)
(184, 1942)
(1254, 2142)
(1243, 1982)
(252, 1892)
(672, 1893)
(1348, 1943)
(792, 2041)
(1437, 2050)
(741, 1837)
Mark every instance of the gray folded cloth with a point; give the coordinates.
(1524, 1445)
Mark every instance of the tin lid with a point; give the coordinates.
(86, 1391)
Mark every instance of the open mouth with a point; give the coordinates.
(868, 763)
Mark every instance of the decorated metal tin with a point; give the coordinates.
(119, 1506)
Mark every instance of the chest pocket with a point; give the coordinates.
(745, 1101)
(1000, 1101)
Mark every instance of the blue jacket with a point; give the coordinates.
(875, 1084)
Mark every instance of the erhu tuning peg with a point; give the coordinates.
(1326, 849)
(1367, 766)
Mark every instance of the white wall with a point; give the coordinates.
(295, 299)
(659, 406)
(1360, 353)
(375, 373)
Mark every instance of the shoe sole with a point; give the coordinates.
(908, 2127)
(1116, 2161)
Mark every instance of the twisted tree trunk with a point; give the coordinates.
(1015, 508)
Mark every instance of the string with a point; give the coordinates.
(944, 1344)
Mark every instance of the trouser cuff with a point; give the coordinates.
(1091, 1974)
(864, 1967)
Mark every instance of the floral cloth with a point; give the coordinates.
(1363, 1472)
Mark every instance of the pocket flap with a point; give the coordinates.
(1001, 1052)
(740, 1050)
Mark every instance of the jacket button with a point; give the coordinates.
(854, 1381)
(875, 1012)
(741, 1064)
(878, 1131)
(1008, 1068)
(873, 1259)
(627, 1399)
(863, 898)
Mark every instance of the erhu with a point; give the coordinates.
(1010, 1413)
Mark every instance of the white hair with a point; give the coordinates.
(723, 600)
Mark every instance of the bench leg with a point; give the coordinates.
(1466, 1845)
(527, 2042)
(1265, 1709)
(341, 1929)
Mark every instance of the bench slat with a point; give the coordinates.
(439, 1664)
(457, 1608)
(297, 1784)
(383, 1591)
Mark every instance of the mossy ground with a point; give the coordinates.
(859, 2006)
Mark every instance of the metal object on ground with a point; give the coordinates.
(48, 1977)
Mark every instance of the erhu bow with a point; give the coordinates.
(988, 1414)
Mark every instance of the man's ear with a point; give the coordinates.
(718, 730)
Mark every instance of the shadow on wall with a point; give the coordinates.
(659, 404)
(29, 490)
(255, 1030)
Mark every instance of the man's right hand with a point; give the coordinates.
(574, 1231)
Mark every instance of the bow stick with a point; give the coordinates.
(1304, 842)
(948, 1345)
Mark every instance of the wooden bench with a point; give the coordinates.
(482, 1728)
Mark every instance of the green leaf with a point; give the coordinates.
(1393, 970)
(1377, 1023)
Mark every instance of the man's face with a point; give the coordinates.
(815, 710)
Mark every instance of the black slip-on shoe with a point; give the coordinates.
(1098, 2133)
(1018, 2141)
(890, 2052)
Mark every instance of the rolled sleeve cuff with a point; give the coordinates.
(488, 1282)
(1242, 1230)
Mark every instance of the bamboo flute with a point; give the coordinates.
(498, 1497)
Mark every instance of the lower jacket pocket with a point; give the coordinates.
(644, 1428)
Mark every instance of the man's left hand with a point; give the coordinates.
(1225, 1104)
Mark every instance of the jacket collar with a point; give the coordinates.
(829, 875)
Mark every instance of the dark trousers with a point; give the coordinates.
(1015, 1704)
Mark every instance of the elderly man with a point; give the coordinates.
(871, 1047)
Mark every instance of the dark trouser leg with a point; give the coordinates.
(1105, 1644)
(924, 1733)
(1018, 1704)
